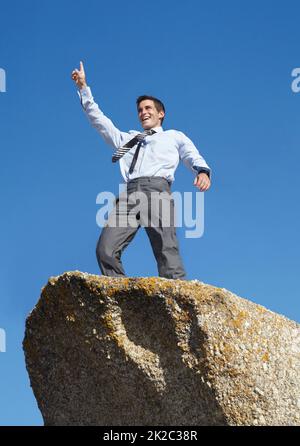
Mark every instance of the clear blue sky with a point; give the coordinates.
(223, 70)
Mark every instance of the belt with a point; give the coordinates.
(136, 180)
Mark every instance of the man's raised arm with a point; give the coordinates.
(102, 123)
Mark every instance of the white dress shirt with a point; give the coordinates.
(159, 153)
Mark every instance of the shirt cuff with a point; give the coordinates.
(202, 170)
(84, 93)
(85, 90)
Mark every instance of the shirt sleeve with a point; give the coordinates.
(100, 122)
(191, 157)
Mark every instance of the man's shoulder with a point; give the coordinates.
(174, 132)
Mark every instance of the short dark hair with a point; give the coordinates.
(157, 102)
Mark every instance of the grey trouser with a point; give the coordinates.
(156, 214)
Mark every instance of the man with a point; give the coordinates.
(148, 161)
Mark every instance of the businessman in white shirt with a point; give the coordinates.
(148, 161)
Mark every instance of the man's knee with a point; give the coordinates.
(103, 252)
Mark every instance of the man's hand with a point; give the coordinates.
(78, 77)
(202, 181)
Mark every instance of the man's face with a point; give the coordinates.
(148, 115)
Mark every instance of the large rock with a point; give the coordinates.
(154, 351)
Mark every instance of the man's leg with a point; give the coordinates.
(113, 240)
(165, 248)
(162, 236)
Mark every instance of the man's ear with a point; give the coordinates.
(161, 114)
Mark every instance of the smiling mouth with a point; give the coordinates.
(145, 119)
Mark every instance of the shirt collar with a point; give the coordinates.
(158, 129)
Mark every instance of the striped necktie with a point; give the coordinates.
(139, 138)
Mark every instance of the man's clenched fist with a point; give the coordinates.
(202, 181)
(78, 76)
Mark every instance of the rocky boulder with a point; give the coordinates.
(153, 351)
